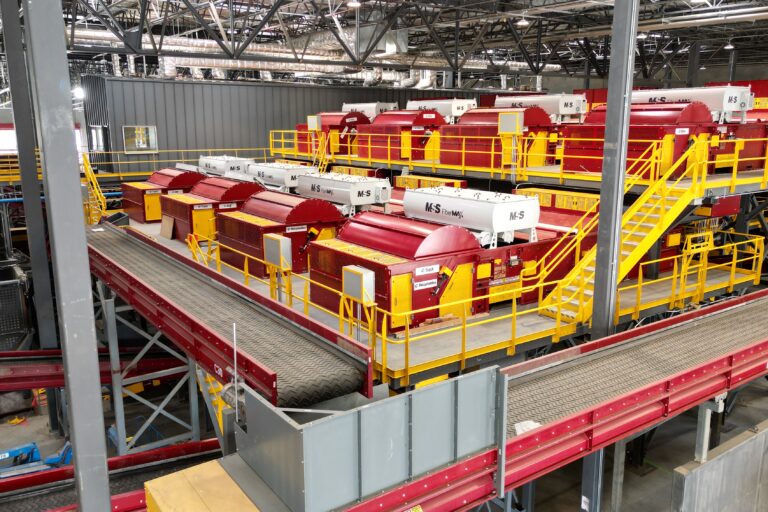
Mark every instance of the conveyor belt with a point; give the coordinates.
(307, 372)
(555, 393)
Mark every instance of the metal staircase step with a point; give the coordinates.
(588, 292)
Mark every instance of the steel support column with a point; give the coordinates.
(51, 91)
(704, 426)
(592, 480)
(587, 73)
(617, 482)
(732, 58)
(622, 69)
(694, 54)
(24, 125)
(528, 496)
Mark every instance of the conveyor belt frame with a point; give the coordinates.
(211, 350)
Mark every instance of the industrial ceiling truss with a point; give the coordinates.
(387, 39)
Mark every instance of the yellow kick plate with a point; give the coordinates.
(143, 185)
(361, 252)
(251, 219)
(187, 199)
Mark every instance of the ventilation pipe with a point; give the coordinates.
(373, 77)
(131, 64)
(428, 79)
(116, 65)
(197, 73)
(413, 79)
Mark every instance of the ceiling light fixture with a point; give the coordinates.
(728, 46)
(78, 93)
(522, 22)
(354, 4)
(642, 35)
(702, 68)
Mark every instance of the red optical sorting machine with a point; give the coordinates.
(340, 129)
(398, 134)
(141, 201)
(419, 263)
(194, 212)
(475, 140)
(300, 219)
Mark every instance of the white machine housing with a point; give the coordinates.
(220, 164)
(490, 216)
(450, 109)
(239, 176)
(369, 109)
(729, 103)
(278, 176)
(562, 108)
(350, 193)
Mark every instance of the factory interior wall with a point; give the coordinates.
(735, 477)
(221, 115)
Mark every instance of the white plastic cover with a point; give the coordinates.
(369, 109)
(560, 107)
(344, 189)
(450, 109)
(219, 164)
(278, 174)
(728, 103)
(476, 210)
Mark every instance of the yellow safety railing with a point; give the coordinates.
(701, 269)
(735, 262)
(97, 203)
(119, 166)
(532, 157)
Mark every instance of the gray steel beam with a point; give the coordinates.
(255, 30)
(617, 482)
(24, 125)
(61, 179)
(732, 58)
(592, 478)
(694, 55)
(622, 68)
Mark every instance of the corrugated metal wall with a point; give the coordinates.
(223, 115)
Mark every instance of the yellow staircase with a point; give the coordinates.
(96, 203)
(643, 224)
(320, 158)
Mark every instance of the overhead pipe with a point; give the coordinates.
(427, 81)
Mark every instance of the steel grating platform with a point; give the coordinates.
(552, 394)
(307, 372)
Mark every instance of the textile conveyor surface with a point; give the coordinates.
(305, 368)
(551, 394)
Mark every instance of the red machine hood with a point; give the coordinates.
(290, 209)
(532, 116)
(409, 118)
(174, 178)
(222, 189)
(658, 114)
(406, 238)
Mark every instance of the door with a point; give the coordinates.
(400, 295)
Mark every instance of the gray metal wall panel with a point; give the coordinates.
(221, 115)
(735, 478)
(433, 419)
(331, 465)
(279, 460)
(477, 407)
(385, 438)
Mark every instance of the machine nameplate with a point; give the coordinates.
(296, 229)
(429, 269)
(682, 131)
(155, 191)
(175, 191)
(225, 206)
(425, 284)
(202, 206)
